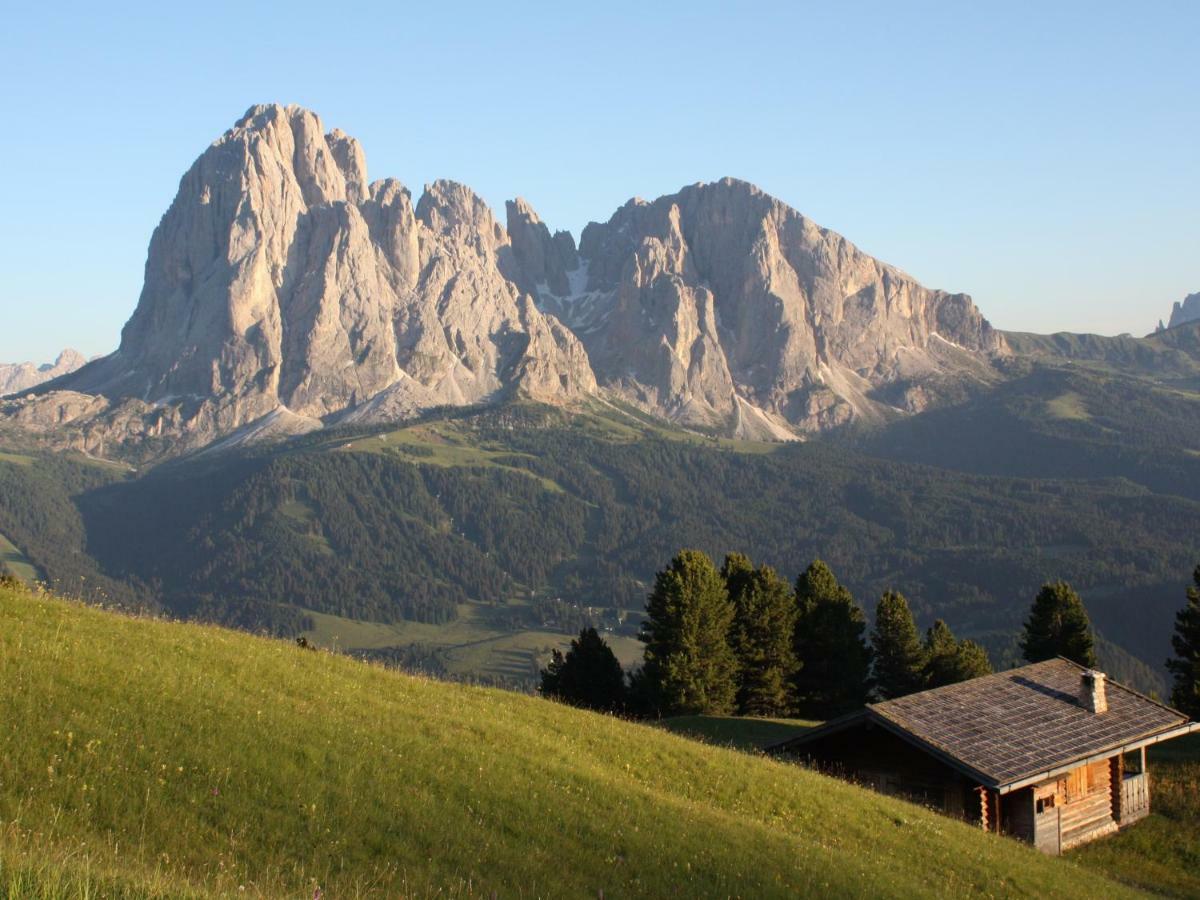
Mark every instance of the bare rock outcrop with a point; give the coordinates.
(284, 292)
(722, 306)
(280, 279)
(543, 260)
(1187, 310)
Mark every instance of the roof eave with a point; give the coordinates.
(869, 715)
(933, 750)
(1126, 747)
(833, 726)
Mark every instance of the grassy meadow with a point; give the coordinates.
(149, 758)
(471, 647)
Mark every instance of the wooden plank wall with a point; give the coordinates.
(1086, 807)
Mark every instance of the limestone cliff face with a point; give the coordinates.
(280, 278)
(284, 292)
(17, 377)
(722, 306)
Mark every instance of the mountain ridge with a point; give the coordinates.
(285, 291)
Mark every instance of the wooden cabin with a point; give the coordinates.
(1051, 753)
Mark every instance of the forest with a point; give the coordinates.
(531, 504)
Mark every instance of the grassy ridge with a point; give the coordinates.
(739, 733)
(173, 758)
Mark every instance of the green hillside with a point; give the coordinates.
(141, 758)
(1063, 421)
(470, 543)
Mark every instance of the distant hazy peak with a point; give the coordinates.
(17, 377)
(1187, 310)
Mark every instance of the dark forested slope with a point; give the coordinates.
(528, 504)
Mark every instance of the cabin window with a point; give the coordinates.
(1045, 803)
(1077, 784)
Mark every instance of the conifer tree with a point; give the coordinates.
(689, 667)
(1058, 626)
(972, 661)
(1185, 667)
(834, 659)
(552, 674)
(589, 675)
(949, 660)
(764, 621)
(899, 659)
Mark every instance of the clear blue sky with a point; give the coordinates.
(1043, 157)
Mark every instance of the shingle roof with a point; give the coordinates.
(1016, 724)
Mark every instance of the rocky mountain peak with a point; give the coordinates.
(731, 310)
(543, 258)
(1187, 310)
(284, 291)
(281, 279)
(454, 211)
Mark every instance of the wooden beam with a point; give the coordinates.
(1116, 770)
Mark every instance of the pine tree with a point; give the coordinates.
(949, 660)
(690, 667)
(589, 675)
(1185, 694)
(761, 636)
(899, 659)
(552, 674)
(834, 659)
(1058, 626)
(972, 661)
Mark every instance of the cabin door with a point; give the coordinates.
(1047, 818)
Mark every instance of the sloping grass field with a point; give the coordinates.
(148, 758)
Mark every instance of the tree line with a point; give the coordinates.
(742, 640)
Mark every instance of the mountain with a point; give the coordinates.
(1186, 311)
(160, 759)
(282, 288)
(722, 307)
(285, 292)
(17, 377)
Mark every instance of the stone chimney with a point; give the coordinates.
(1092, 696)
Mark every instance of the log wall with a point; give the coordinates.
(1075, 808)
